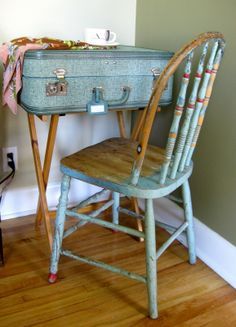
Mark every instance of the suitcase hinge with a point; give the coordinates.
(156, 74)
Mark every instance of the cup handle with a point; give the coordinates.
(112, 37)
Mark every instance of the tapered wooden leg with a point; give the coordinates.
(121, 122)
(138, 124)
(151, 270)
(115, 207)
(189, 218)
(139, 221)
(48, 159)
(39, 175)
(59, 228)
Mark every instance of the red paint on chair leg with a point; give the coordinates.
(52, 278)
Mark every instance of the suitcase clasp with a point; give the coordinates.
(59, 87)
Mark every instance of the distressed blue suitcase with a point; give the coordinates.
(91, 80)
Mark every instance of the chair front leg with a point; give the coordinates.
(59, 228)
(188, 212)
(151, 265)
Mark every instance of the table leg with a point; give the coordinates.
(134, 136)
(139, 221)
(48, 159)
(40, 179)
(121, 122)
(138, 124)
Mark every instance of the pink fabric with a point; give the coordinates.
(12, 58)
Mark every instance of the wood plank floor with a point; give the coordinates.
(88, 296)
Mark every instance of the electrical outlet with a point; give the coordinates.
(5, 151)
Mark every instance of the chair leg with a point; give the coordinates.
(151, 265)
(188, 212)
(115, 208)
(59, 228)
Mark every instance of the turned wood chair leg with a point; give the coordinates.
(151, 264)
(59, 228)
(115, 207)
(189, 218)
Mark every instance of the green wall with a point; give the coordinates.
(168, 25)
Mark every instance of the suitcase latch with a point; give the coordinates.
(59, 87)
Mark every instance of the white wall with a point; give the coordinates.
(66, 20)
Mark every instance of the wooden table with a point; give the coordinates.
(42, 171)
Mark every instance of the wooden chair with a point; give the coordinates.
(134, 168)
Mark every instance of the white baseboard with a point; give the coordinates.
(211, 248)
(20, 202)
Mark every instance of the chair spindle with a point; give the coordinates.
(177, 116)
(199, 103)
(205, 104)
(188, 114)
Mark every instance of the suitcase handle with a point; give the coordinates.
(98, 95)
(98, 105)
(124, 97)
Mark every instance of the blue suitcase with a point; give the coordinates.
(64, 81)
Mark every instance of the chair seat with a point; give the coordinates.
(109, 164)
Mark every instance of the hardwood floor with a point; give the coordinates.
(88, 296)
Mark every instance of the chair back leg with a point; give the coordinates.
(151, 264)
(59, 228)
(188, 212)
(115, 208)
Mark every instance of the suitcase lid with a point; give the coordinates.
(123, 60)
(121, 51)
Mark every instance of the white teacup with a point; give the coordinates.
(99, 36)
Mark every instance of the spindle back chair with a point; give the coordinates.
(134, 168)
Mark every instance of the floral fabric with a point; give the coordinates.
(12, 57)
